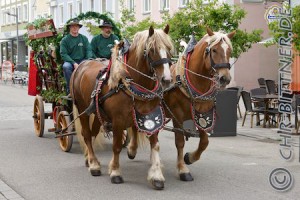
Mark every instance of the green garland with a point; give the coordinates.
(43, 44)
(98, 17)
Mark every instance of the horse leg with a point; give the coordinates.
(155, 175)
(95, 130)
(133, 144)
(114, 165)
(93, 163)
(192, 157)
(183, 171)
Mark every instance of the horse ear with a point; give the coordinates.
(167, 29)
(209, 31)
(151, 31)
(230, 35)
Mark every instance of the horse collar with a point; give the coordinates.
(192, 90)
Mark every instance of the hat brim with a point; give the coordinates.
(80, 25)
(101, 26)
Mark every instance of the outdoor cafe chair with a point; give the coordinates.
(258, 91)
(271, 87)
(261, 83)
(249, 110)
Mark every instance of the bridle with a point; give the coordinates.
(213, 65)
(154, 63)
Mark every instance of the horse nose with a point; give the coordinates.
(166, 83)
(224, 80)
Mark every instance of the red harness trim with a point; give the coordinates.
(211, 89)
(99, 86)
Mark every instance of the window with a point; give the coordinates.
(164, 5)
(183, 3)
(109, 6)
(25, 12)
(19, 11)
(79, 6)
(4, 18)
(103, 6)
(13, 19)
(70, 10)
(61, 14)
(130, 5)
(92, 7)
(147, 6)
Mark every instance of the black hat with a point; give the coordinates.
(105, 24)
(74, 22)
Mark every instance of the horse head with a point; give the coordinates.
(217, 55)
(154, 47)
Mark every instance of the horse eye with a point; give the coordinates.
(215, 50)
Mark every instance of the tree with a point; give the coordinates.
(276, 32)
(196, 16)
(129, 27)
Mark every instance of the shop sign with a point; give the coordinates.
(7, 70)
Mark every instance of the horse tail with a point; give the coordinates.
(141, 137)
(98, 142)
(78, 129)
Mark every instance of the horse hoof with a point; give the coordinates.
(117, 179)
(131, 157)
(87, 163)
(95, 172)
(186, 177)
(158, 185)
(187, 159)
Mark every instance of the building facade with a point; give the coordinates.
(11, 12)
(63, 10)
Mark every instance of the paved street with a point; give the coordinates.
(35, 168)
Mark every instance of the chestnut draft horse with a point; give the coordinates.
(134, 86)
(197, 78)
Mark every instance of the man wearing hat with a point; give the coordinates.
(102, 43)
(74, 48)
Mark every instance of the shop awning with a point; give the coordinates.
(295, 84)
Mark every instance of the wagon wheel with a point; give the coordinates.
(63, 120)
(39, 116)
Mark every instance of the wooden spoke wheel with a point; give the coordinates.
(39, 116)
(63, 120)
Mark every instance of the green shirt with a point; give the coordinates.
(101, 46)
(75, 49)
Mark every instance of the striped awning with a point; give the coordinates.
(295, 84)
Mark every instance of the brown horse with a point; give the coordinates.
(197, 78)
(135, 79)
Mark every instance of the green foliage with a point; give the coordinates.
(196, 16)
(129, 27)
(276, 32)
(45, 44)
(97, 17)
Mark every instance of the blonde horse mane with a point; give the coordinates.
(216, 38)
(159, 40)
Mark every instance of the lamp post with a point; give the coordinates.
(17, 21)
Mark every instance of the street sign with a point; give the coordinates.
(272, 13)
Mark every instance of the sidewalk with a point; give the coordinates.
(7, 193)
